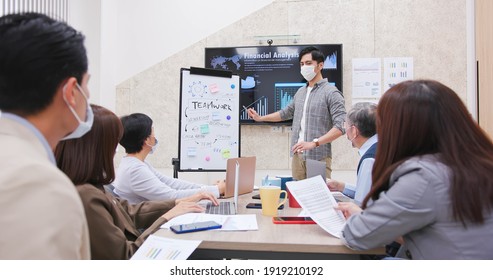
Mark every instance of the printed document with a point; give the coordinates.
(315, 197)
(162, 248)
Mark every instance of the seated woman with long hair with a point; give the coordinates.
(114, 224)
(432, 178)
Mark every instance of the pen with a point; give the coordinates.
(246, 109)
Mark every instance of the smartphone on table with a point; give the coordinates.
(195, 227)
(292, 220)
(257, 196)
(259, 206)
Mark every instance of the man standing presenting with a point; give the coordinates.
(43, 98)
(318, 114)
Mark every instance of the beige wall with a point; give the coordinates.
(484, 56)
(432, 32)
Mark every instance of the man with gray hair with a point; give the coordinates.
(360, 128)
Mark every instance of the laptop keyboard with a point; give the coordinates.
(224, 208)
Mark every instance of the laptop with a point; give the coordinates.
(235, 185)
(315, 168)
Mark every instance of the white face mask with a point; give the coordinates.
(83, 127)
(308, 72)
(153, 148)
(351, 139)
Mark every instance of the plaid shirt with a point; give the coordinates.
(325, 110)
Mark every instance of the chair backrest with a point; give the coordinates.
(110, 189)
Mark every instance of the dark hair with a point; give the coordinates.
(426, 117)
(137, 128)
(317, 55)
(89, 159)
(362, 115)
(37, 53)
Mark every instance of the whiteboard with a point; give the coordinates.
(209, 119)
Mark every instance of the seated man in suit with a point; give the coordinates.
(361, 131)
(44, 97)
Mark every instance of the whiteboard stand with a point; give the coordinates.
(176, 166)
(209, 132)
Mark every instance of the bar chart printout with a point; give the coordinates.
(161, 248)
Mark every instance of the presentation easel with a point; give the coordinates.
(209, 120)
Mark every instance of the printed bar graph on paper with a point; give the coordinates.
(284, 94)
(154, 253)
(161, 248)
(172, 255)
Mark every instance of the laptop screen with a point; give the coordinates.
(237, 178)
(315, 168)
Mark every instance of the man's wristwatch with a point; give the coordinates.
(316, 142)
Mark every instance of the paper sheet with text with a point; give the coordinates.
(314, 196)
(162, 248)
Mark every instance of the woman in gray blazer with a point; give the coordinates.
(432, 178)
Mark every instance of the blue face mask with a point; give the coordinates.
(83, 127)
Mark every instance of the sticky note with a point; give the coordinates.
(226, 153)
(192, 151)
(204, 128)
(216, 116)
(213, 88)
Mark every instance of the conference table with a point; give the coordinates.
(270, 241)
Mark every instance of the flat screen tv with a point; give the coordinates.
(270, 75)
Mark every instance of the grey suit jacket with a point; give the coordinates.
(42, 215)
(417, 206)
